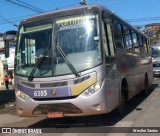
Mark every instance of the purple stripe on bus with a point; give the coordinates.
(46, 92)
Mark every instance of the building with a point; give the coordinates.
(151, 30)
(7, 63)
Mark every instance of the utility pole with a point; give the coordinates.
(83, 2)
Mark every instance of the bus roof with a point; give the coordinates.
(72, 11)
(60, 12)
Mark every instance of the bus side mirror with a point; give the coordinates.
(6, 48)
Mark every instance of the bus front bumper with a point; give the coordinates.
(79, 106)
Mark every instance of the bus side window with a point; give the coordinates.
(146, 50)
(110, 39)
(135, 42)
(117, 31)
(141, 45)
(127, 37)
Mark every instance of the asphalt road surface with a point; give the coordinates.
(142, 117)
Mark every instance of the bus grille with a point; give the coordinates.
(156, 65)
(58, 98)
(66, 108)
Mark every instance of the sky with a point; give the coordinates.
(136, 12)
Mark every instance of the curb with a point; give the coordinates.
(3, 88)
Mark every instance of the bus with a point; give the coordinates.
(155, 52)
(92, 63)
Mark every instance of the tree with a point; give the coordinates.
(158, 34)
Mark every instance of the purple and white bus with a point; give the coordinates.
(79, 61)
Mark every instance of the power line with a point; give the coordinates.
(11, 20)
(15, 18)
(24, 6)
(128, 20)
(16, 22)
(18, 19)
(30, 5)
(59, 4)
(69, 5)
(143, 19)
(8, 21)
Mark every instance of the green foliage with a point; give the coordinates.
(158, 32)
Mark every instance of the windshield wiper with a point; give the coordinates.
(38, 64)
(67, 61)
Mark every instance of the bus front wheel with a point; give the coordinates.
(123, 97)
(121, 107)
(146, 86)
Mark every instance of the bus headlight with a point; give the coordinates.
(21, 95)
(153, 60)
(93, 89)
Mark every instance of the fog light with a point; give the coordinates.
(19, 111)
(98, 107)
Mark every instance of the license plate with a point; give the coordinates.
(55, 115)
(156, 72)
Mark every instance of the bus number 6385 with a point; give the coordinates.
(40, 93)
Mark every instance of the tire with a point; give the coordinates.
(123, 98)
(146, 88)
(121, 107)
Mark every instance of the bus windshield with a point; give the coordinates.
(77, 37)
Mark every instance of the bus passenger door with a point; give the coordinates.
(109, 49)
(112, 84)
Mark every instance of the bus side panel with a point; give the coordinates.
(133, 67)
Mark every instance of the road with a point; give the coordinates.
(140, 112)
